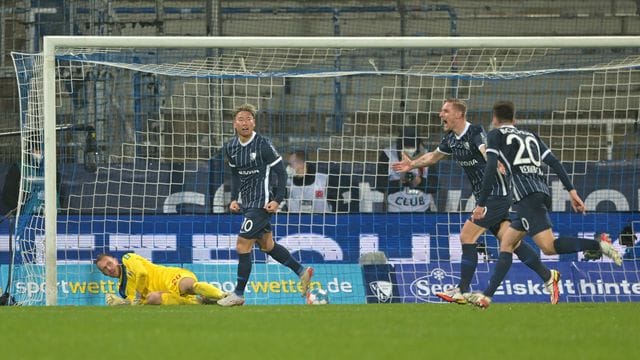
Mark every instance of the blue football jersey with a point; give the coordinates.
(522, 152)
(465, 150)
(252, 161)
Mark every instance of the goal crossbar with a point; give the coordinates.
(51, 42)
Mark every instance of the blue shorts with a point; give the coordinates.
(532, 213)
(256, 223)
(497, 212)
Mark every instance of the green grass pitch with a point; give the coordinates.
(385, 331)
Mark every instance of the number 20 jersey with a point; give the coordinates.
(522, 152)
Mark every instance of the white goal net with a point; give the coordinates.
(130, 131)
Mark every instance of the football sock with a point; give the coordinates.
(570, 244)
(244, 270)
(280, 254)
(207, 290)
(172, 299)
(530, 257)
(502, 267)
(468, 264)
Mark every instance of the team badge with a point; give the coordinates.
(383, 290)
(466, 145)
(252, 156)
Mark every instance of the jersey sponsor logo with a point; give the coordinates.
(530, 169)
(248, 172)
(468, 163)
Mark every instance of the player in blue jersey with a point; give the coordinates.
(466, 144)
(522, 152)
(252, 158)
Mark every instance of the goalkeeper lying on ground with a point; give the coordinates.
(143, 282)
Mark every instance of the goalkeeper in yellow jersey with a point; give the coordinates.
(143, 282)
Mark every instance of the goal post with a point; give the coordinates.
(375, 95)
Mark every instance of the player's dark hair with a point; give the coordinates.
(100, 257)
(504, 111)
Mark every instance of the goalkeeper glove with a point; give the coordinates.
(139, 299)
(115, 300)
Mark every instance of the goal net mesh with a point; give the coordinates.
(140, 165)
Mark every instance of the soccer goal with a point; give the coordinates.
(122, 152)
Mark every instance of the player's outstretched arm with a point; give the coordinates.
(425, 160)
(403, 165)
(576, 202)
(557, 167)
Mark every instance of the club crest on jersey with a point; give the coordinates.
(252, 156)
(466, 145)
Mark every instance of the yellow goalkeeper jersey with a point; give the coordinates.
(141, 276)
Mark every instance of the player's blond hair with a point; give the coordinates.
(245, 107)
(458, 104)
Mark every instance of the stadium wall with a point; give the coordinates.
(354, 284)
(176, 239)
